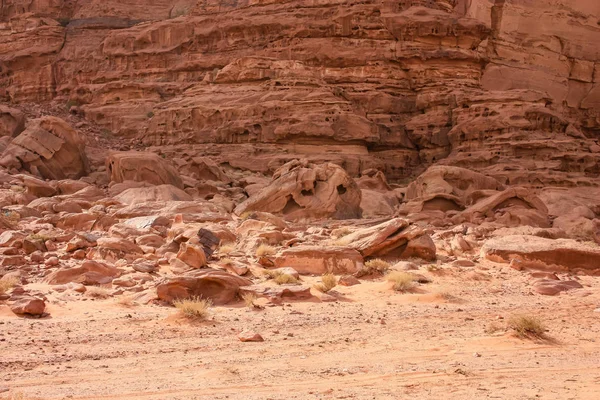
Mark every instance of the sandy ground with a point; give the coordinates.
(372, 344)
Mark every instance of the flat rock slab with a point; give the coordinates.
(320, 260)
(550, 287)
(544, 254)
(292, 292)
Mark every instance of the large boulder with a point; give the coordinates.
(544, 254)
(89, 273)
(12, 121)
(320, 260)
(455, 181)
(396, 237)
(219, 286)
(142, 167)
(48, 148)
(28, 306)
(300, 189)
(152, 193)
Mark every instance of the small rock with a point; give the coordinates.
(51, 262)
(250, 336)
(348, 280)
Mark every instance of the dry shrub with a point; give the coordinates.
(527, 326)
(341, 232)
(493, 327)
(265, 250)
(342, 241)
(226, 261)
(226, 248)
(403, 281)
(375, 266)
(126, 301)
(328, 282)
(96, 292)
(285, 279)
(7, 283)
(249, 298)
(194, 307)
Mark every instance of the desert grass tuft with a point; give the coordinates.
(403, 281)
(226, 248)
(249, 299)
(526, 326)
(265, 250)
(375, 266)
(285, 279)
(7, 283)
(126, 301)
(194, 308)
(328, 282)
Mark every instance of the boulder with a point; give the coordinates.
(219, 286)
(544, 254)
(28, 306)
(392, 238)
(300, 189)
(152, 193)
(89, 273)
(551, 287)
(48, 148)
(12, 121)
(192, 255)
(320, 260)
(142, 167)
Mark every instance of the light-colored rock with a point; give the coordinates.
(320, 260)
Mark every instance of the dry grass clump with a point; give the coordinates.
(97, 292)
(126, 301)
(403, 281)
(342, 241)
(285, 279)
(194, 308)
(7, 283)
(341, 232)
(328, 282)
(249, 299)
(493, 327)
(226, 261)
(375, 266)
(226, 248)
(265, 250)
(527, 326)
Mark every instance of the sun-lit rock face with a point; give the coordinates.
(396, 86)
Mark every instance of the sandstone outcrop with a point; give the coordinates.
(218, 286)
(544, 254)
(300, 189)
(320, 260)
(142, 167)
(48, 148)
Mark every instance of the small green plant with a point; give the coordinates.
(7, 283)
(403, 281)
(265, 250)
(194, 308)
(328, 282)
(527, 326)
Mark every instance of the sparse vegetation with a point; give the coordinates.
(285, 279)
(527, 326)
(493, 327)
(226, 248)
(226, 261)
(72, 103)
(375, 266)
(39, 236)
(126, 301)
(433, 268)
(265, 250)
(7, 283)
(249, 299)
(328, 282)
(194, 308)
(342, 241)
(97, 292)
(403, 281)
(341, 232)
(150, 114)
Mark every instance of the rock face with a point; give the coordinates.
(320, 260)
(300, 189)
(48, 148)
(368, 84)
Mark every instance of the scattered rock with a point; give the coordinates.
(250, 336)
(28, 306)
